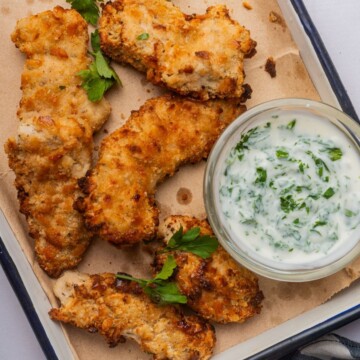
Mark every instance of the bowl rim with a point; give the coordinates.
(346, 124)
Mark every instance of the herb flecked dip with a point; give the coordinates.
(289, 189)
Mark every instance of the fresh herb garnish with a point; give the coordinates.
(99, 77)
(88, 9)
(192, 241)
(143, 36)
(334, 154)
(159, 289)
(291, 124)
(282, 154)
(95, 41)
(328, 193)
(262, 175)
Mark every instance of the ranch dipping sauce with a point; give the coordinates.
(288, 191)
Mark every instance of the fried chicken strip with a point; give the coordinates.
(165, 133)
(197, 55)
(119, 309)
(53, 147)
(217, 288)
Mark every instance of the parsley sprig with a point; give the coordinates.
(192, 241)
(88, 9)
(159, 289)
(100, 76)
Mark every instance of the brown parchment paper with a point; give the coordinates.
(283, 300)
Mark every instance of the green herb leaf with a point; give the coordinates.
(291, 124)
(262, 175)
(158, 289)
(103, 67)
(334, 154)
(301, 167)
(242, 144)
(193, 242)
(143, 36)
(328, 193)
(95, 41)
(249, 222)
(320, 164)
(88, 9)
(167, 270)
(191, 234)
(164, 293)
(282, 154)
(287, 203)
(319, 223)
(131, 278)
(349, 213)
(99, 77)
(93, 83)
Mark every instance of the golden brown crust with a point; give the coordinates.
(164, 134)
(119, 309)
(217, 288)
(54, 143)
(197, 55)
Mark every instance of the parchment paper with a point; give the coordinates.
(282, 300)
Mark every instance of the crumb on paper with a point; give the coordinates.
(122, 116)
(246, 5)
(274, 17)
(270, 66)
(106, 131)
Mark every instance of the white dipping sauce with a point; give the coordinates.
(289, 191)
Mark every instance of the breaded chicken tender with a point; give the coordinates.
(54, 144)
(165, 133)
(197, 55)
(119, 309)
(217, 288)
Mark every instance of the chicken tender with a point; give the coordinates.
(118, 309)
(217, 288)
(197, 55)
(54, 144)
(165, 133)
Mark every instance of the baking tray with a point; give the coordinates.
(271, 344)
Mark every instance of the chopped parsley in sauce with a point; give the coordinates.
(288, 188)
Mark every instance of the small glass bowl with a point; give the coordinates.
(216, 159)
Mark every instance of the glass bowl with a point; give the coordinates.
(230, 232)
